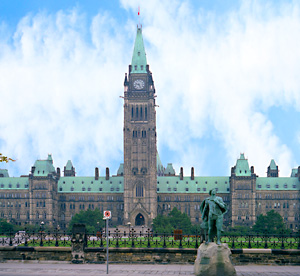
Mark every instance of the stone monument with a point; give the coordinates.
(213, 259)
(79, 242)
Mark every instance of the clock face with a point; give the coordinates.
(138, 84)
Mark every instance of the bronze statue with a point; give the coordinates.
(213, 208)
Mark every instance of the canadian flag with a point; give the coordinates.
(139, 11)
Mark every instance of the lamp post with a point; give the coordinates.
(129, 223)
(41, 232)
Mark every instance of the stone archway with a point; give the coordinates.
(139, 220)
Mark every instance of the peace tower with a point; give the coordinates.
(140, 173)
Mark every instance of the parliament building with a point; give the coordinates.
(142, 187)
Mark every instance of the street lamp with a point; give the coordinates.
(128, 223)
(41, 232)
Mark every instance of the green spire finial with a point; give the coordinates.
(139, 61)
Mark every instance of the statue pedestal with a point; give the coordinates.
(214, 260)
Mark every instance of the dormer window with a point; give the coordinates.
(139, 53)
(142, 67)
(135, 67)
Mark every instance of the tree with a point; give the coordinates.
(4, 158)
(174, 220)
(271, 223)
(89, 218)
(6, 227)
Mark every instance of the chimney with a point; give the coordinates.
(298, 174)
(181, 173)
(32, 169)
(107, 174)
(252, 169)
(192, 173)
(96, 173)
(58, 172)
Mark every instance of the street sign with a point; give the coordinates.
(107, 214)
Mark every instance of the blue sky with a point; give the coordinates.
(226, 76)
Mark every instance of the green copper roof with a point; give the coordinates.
(294, 172)
(242, 167)
(273, 165)
(159, 165)
(79, 184)
(139, 60)
(169, 169)
(121, 169)
(44, 167)
(69, 165)
(4, 172)
(277, 183)
(200, 184)
(18, 183)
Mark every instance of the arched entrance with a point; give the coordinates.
(139, 220)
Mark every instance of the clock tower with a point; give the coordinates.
(140, 177)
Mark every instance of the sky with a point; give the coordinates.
(226, 75)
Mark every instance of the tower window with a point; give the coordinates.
(139, 190)
(131, 113)
(137, 113)
(146, 113)
(141, 113)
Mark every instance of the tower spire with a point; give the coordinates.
(139, 60)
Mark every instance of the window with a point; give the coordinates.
(285, 186)
(89, 189)
(268, 185)
(276, 186)
(158, 189)
(60, 188)
(204, 189)
(72, 189)
(175, 189)
(100, 189)
(198, 189)
(146, 113)
(112, 189)
(169, 189)
(139, 190)
(83, 188)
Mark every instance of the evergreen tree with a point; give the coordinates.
(271, 223)
(90, 219)
(6, 227)
(174, 220)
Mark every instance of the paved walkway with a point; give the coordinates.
(66, 269)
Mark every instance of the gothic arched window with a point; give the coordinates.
(139, 190)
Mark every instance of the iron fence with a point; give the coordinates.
(147, 239)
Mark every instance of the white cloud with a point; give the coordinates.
(227, 74)
(61, 79)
